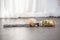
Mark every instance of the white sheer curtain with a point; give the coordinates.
(27, 8)
(13, 8)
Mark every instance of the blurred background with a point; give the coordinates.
(29, 8)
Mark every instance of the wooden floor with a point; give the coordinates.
(29, 33)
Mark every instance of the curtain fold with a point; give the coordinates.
(0, 8)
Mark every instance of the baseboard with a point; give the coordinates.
(32, 17)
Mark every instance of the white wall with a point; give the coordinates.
(27, 8)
